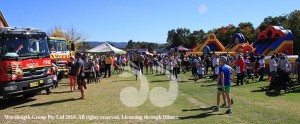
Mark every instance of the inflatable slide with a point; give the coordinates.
(238, 44)
(275, 39)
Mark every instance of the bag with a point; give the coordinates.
(82, 75)
(238, 69)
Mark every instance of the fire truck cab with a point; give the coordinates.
(60, 54)
(25, 63)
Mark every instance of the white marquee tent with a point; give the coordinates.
(105, 48)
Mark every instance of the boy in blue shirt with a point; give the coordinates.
(224, 83)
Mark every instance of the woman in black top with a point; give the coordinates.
(71, 74)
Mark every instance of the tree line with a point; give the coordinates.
(188, 38)
(141, 45)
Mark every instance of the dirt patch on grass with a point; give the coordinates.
(196, 102)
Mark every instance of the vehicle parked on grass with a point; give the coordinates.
(25, 63)
(60, 54)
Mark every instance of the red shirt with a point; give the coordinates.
(241, 64)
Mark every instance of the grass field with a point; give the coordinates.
(252, 103)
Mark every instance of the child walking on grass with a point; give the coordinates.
(224, 84)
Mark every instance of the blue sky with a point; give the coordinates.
(139, 20)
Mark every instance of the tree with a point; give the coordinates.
(225, 33)
(164, 46)
(70, 34)
(247, 29)
(178, 37)
(129, 44)
(293, 24)
(173, 38)
(214, 30)
(252, 37)
(141, 45)
(275, 21)
(195, 37)
(152, 46)
(84, 46)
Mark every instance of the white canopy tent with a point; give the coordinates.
(106, 48)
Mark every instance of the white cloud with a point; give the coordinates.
(202, 9)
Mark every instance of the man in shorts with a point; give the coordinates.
(224, 84)
(79, 75)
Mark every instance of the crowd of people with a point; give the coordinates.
(87, 68)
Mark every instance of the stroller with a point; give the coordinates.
(186, 67)
(282, 81)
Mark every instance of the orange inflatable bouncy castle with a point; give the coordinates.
(275, 39)
(237, 45)
(210, 42)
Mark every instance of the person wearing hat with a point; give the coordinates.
(79, 75)
(224, 84)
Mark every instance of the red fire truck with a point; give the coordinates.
(25, 63)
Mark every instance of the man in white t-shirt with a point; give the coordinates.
(273, 68)
(262, 67)
(215, 61)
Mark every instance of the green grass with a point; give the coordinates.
(251, 103)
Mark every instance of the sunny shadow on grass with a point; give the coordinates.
(49, 103)
(252, 103)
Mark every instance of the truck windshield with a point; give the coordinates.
(58, 45)
(24, 47)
